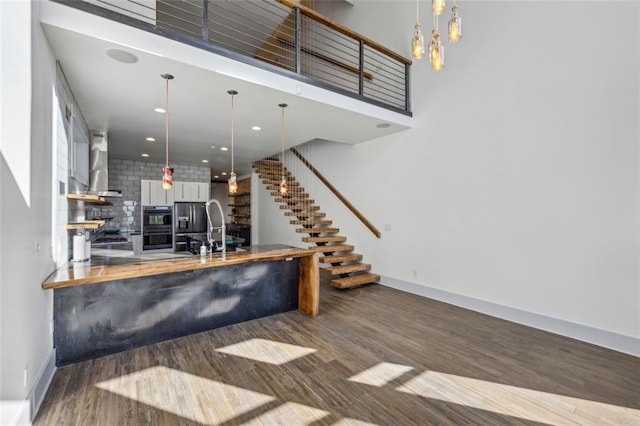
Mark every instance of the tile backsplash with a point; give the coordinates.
(125, 176)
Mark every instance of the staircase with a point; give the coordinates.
(346, 267)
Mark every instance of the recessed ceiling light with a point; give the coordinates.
(224, 173)
(160, 110)
(216, 177)
(150, 139)
(256, 128)
(145, 155)
(383, 125)
(213, 147)
(122, 56)
(224, 148)
(205, 161)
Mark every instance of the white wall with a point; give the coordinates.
(519, 183)
(26, 309)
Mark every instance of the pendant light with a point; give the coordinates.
(283, 183)
(167, 176)
(438, 6)
(417, 42)
(455, 25)
(233, 183)
(436, 51)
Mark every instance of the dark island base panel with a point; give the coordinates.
(94, 320)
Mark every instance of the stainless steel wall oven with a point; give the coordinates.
(157, 227)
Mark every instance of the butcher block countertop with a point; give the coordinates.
(110, 268)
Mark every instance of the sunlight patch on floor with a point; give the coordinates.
(267, 351)
(519, 402)
(185, 395)
(380, 374)
(290, 414)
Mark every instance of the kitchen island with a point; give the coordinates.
(108, 304)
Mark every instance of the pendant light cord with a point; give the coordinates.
(233, 114)
(166, 136)
(417, 11)
(283, 106)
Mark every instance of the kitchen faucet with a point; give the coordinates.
(211, 228)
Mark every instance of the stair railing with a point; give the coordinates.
(337, 193)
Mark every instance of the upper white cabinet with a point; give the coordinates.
(152, 193)
(191, 191)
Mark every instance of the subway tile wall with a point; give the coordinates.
(125, 176)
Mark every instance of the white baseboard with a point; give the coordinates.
(14, 413)
(36, 396)
(607, 339)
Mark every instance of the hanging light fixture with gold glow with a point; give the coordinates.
(438, 6)
(417, 42)
(436, 50)
(455, 25)
(233, 183)
(283, 182)
(167, 172)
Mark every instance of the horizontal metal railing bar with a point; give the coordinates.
(172, 5)
(394, 84)
(145, 18)
(284, 12)
(184, 21)
(217, 8)
(184, 31)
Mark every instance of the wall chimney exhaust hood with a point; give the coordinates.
(99, 171)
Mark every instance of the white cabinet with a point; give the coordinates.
(191, 191)
(152, 193)
(203, 190)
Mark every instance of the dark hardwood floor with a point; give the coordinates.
(374, 355)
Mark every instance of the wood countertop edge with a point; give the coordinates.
(105, 273)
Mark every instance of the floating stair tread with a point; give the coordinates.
(317, 230)
(292, 189)
(294, 194)
(300, 207)
(347, 269)
(355, 280)
(310, 222)
(294, 200)
(338, 258)
(332, 249)
(305, 214)
(277, 182)
(334, 239)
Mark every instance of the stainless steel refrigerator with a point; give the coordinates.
(189, 226)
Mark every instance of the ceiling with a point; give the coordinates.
(120, 98)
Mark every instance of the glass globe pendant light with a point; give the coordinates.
(438, 6)
(167, 172)
(417, 42)
(233, 183)
(283, 182)
(436, 51)
(455, 25)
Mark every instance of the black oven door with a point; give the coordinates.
(157, 241)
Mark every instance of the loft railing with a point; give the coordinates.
(280, 35)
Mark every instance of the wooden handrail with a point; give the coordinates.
(337, 193)
(343, 30)
(326, 58)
